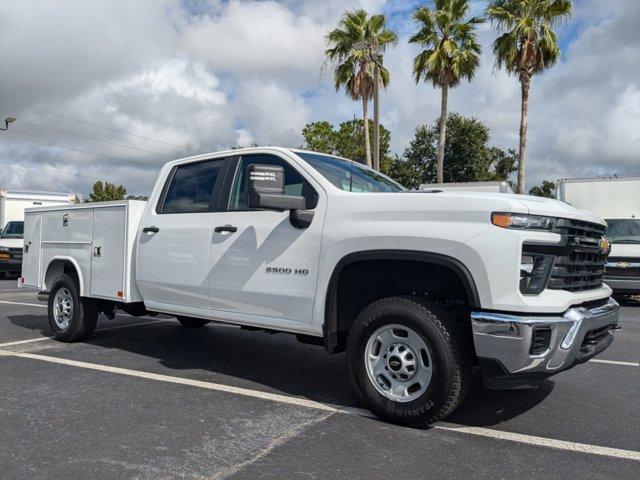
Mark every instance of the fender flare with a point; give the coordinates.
(330, 325)
(75, 265)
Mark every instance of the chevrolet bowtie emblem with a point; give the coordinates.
(623, 265)
(605, 245)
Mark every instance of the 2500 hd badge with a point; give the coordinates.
(287, 271)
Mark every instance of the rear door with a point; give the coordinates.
(174, 244)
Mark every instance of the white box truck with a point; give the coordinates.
(417, 287)
(12, 206)
(617, 200)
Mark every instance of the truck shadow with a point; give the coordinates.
(275, 363)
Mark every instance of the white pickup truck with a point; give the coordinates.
(417, 287)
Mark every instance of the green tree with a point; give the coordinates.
(467, 154)
(346, 141)
(353, 47)
(527, 46)
(451, 52)
(545, 189)
(320, 137)
(107, 191)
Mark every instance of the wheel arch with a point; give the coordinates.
(330, 328)
(59, 265)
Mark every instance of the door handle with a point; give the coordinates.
(150, 230)
(226, 228)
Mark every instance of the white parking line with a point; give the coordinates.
(302, 402)
(40, 305)
(615, 362)
(543, 442)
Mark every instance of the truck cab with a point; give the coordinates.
(417, 287)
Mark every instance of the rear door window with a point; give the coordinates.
(192, 187)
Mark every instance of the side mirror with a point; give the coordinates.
(265, 189)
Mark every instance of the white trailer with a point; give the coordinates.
(494, 187)
(617, 200)
(13, 203)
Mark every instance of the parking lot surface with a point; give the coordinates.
(146, 398)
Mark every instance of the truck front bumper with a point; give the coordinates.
(10, 265)
(518, 350)
(623, 285)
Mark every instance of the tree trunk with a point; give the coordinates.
(365, 119)
(376, 118)
(443, 133)
(525, 83)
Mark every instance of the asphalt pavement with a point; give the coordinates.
(146, 398)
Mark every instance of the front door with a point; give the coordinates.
(262, 266)
(174, 244)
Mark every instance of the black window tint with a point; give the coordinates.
(191, 188)
(294, 183)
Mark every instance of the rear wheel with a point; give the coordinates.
(190, 322)
(408, 361)
(71, 317)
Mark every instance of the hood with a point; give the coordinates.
(12, 242)
(631, 250)
(532, 205)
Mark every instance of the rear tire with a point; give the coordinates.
(408, 361)
(190, 322)
(71, 317)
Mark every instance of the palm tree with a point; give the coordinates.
(355, 49)
(451, 53)
(528, 46)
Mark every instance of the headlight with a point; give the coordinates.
(521, 221)
(534, 272)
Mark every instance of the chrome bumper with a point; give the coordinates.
(623, 285)
(504, 343)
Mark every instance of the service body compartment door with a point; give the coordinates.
(31, 256)
(108, 251)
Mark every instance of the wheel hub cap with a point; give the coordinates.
(62, 308)
(398, 363)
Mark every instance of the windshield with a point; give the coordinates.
(350, 176)
(623, 230)
(13, 230)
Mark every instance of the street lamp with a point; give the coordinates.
(7, 121)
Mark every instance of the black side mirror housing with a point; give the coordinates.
(265, 189)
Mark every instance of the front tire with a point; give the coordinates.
(71, 317)
(408, 361)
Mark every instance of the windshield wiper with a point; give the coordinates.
(625, 241)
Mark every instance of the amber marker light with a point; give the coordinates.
(501, 219)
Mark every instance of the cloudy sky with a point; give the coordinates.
(201, 75)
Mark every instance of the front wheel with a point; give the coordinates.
(71, 317)
(408, 361)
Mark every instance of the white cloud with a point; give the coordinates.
(208, 74)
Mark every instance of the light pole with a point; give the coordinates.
(7, 121)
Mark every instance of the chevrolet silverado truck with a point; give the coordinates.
(416, 287)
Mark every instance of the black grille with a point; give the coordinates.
(580, 266)
(594, 337)
(540, 341)
(626, 270)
